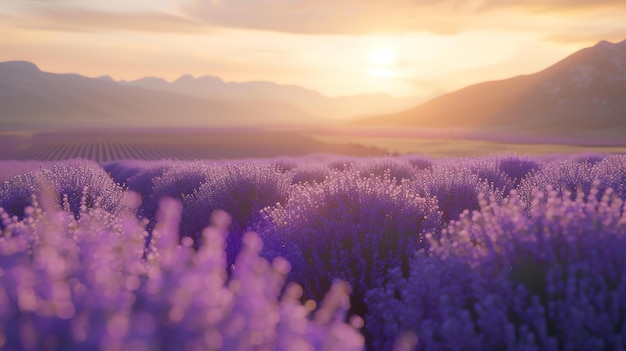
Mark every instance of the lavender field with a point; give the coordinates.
(319, 252)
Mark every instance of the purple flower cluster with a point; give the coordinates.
(573, 177)
(74, 183)
(242, 190)
(394, 168)
(83, 283)
(551, 278)
(456, 189)
(176, 181)
(310, 173)
(349, 227)
(516, 167)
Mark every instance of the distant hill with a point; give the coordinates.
(307, 100)
(582, 95)
(30, 98)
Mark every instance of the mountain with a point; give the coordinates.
(582, 95)
(309, 101)
(30, 98)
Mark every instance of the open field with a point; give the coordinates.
(183, 144)
(187, 144)
(438, 147)
(459, 142)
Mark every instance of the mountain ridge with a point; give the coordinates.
(31, 98)
(581, 94)
(308, 100)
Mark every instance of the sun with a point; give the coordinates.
(383, 57)
(382, 63)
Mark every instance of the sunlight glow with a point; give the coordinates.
(381, 72)
(383, 57)
(382, 62)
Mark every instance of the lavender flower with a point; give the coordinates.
(83, 283)
(395, 168)
(456, 190)
(552, 278)
(350, 228)
(74, 184)
(241, 190)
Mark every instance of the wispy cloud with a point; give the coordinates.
(90, 16)
(367, 17)
(345, 17)
(84, 20)
(332, 17)
(562, 6)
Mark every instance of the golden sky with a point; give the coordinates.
(338, 47)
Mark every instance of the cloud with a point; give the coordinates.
(70, 19)
(345, 17)
(369, 17)
(561, 6)
(332, 17)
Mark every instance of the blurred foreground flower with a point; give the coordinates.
(81, 282)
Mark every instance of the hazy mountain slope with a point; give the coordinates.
(307, 100)
(583, 94)
(30, 98)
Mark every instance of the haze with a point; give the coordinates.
(399, 47)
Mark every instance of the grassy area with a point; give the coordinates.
(439, 147)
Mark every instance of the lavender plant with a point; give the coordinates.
(341, 164)
(503, 278)
(573, 177)
(179, 180)
(456, 190)
(350, 228)
(517, 167)
(395, 168)
(310, 173)
(74, 183)
(122, 171)
(419, 162)
(590, 158)
(285, 164)
(611, 172)
(16, 194)
(487, 170)
(142, 181)
(82, 283)
(241, 190)
(85, 184)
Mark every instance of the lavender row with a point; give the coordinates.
(549, 275)
(360, 220)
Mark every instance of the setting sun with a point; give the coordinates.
(383, 57)
(382, 61)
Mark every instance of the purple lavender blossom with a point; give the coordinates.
(351, 228)
(552, 278)
(75, 184)
(242, 191)
(83, 283)
(456, 189)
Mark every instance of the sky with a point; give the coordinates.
(337, 47)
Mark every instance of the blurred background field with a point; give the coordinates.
(189, 144)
